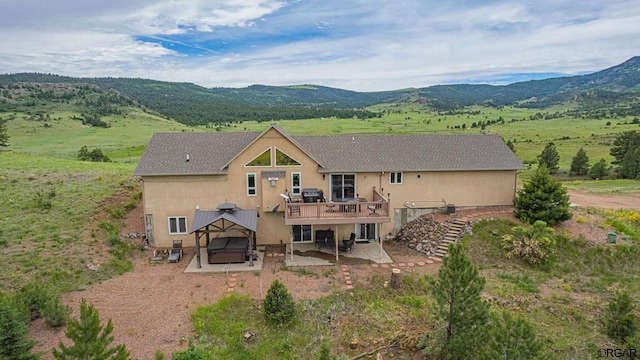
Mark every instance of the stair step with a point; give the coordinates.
(452, 238)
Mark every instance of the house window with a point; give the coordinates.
(343, 186)
(283, 159)
(296, 183)
(395, 178)
(263, 159)
(302, 233)
(177, 225)
(252, 188)
(366, 232)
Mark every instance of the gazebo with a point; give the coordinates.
(227, 217)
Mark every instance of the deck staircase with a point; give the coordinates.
(456, 228)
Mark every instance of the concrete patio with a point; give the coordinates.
(366, 251)
(225, 268)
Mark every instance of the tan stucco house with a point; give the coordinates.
(289, 187)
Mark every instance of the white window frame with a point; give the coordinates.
(275, 158)
(393, 177)
(253, 188)
(177, 219)
(296, 189)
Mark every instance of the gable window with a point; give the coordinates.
(263, 159)
(177, 225)
(395, 178)
(252, 188)
(283, 159)
(296, 183)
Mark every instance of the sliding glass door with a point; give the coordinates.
(343, 186)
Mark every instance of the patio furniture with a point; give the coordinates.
(226, 250)
(176, 252)
(325, 238)
(158, 256)
(347, 245)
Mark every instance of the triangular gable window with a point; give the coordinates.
(283, 159)
(263, 159)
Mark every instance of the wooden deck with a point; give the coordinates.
(361, 212)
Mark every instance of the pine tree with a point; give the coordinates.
(279, 307)
(580, 163)
(619, 321)
(14, 343)
(630, 165)
(550, 158)
(513, 338)
(542, 198)
(599, 170)
(625, 141)
(90, 339)
(459, 306)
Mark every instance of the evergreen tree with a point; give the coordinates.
(542, 198)
(4, 136)
(14, 343)
(630, 165)
(279, 307)
(619, 321)
(622, 144)
(513, 338)
(580, 163)
(599, 170)
(91, 340)
(459, 306)
(550, 158)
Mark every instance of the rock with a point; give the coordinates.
(91, 266)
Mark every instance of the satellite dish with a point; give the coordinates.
(275, 208)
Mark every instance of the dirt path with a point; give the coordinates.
(585, 199)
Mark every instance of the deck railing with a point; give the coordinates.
(337, 210)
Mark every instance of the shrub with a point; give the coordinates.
(56, 313)
(192, 353)
(619, 321)
(279, 307)
(531, 243)
(34, 296)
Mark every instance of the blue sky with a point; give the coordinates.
(351, 44)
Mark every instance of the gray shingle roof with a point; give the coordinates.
(166, 153)
(360, 153)
(210, 152)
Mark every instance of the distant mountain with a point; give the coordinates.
(618, 87)
(620, 79)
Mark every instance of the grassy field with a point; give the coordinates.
(47, 205)
(62, 136)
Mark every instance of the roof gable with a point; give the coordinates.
(211, 153)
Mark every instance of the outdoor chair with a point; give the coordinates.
(347, 245)
(176, 252)
(158, 256)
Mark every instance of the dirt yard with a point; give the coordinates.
(150, 305)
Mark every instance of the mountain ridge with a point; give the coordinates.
(193, 104)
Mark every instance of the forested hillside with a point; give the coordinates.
(607, 93)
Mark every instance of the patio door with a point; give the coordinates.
(302, 233)
(343, 186)
(366, 232)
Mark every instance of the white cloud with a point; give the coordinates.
(358, 44)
